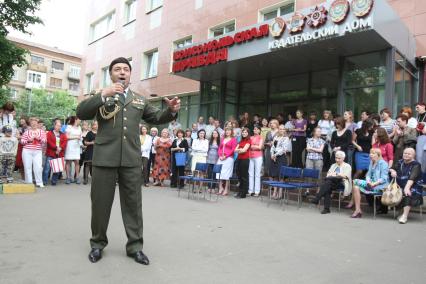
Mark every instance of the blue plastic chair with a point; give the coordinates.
(217, 169)
(306, 173)
(285, 173)
(200, 169)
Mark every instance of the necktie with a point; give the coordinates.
(122, 98)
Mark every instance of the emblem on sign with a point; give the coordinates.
(296, 23)
(317, 17)
(338, 10)
(277, 27)
(361, 8)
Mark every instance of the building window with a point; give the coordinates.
(153, 4)
(183, 42)
(73, 86)
(34, 77)
(75, 72)
(102, 27)
(15, 75)
(198, 4)
(130, 61)
(55, 83)
(57, 65)
(89, 83)
(222, 29)
(150, 64)
(106, 79)
(13, 94)
(38, 60)
(276, 10)
(130, 11)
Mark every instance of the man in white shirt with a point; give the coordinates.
(201, 124)
(210, 127)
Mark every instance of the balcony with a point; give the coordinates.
(37, 67)
(73, 76)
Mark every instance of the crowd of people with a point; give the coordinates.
(356, 157)
(29, 146)
(360, 157)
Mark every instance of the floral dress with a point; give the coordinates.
(161, 169)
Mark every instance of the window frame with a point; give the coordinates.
(111, 25)
(89, 82)
(275, 7)
(127, 9)
(149, 6)
(58, 63)
(146, 66)
(223, 25)
(39, 57)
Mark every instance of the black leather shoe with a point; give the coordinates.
(140, 257)
(95, 255)
(325, 211)
(315, 201)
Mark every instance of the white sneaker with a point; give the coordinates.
(40, 185)
(402, 219)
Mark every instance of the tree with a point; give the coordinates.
(18, 15)
(46, 106)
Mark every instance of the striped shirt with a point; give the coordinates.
(37, 136)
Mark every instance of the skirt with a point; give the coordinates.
(275, 167)
(227, 168)
(362, 161)
(197, 159)
(365, 188)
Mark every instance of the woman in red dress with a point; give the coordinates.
(161, 169)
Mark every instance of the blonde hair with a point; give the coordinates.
(330, 115)
(376, 151)
(230, 129)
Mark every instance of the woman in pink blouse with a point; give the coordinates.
(381, 140)
(256, 161)
(226, 159)
(32, 141)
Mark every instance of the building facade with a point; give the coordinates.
(267, 56)
(47, 68)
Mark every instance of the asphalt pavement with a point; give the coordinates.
(44, 238)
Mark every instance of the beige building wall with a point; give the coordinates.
(52, 79)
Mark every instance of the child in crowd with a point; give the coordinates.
(8, 149)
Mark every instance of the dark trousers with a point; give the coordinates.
(326, 189)
(298, 144)
(145, 170)
(243, 176)
(87, 170)
(176, 172)
(102, 194)
(210, 175)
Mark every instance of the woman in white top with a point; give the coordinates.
(151, 161)
(73, 150)
(200, 147)
(146, 144)
(327, 127)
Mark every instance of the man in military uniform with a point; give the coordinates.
(117, 156)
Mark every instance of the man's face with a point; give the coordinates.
(364, 116)
(194, 126)
(420, 108)
(211, 120)
(201, 120)
(120, 72)
(401, 123)
(217, 123)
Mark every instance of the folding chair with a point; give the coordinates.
(306, 173)
(285, 173)
(217, 169)
(200, 169)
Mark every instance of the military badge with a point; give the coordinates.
(339, 10)
(277, 27)
(361, 8)
(296, 23)
(317, 17)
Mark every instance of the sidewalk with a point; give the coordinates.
(44, 239)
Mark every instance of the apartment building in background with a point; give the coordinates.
(380, 64)
(47, 68)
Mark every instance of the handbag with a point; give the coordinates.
(180, 159)
(392, 195)
(57, 165)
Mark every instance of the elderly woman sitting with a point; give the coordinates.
(376, 179)
(408, 174)
(338, 177)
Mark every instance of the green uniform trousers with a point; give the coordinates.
(102, 194)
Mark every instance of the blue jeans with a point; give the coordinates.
(46, 172)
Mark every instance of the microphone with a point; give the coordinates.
(117, 95)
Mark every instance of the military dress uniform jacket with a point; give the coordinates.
(117, 142)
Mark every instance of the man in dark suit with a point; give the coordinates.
(117, 156)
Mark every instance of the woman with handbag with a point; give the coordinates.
(408, 174)
(376, 179)
(55, 148)
(178, 149)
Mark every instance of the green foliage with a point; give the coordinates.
(18, 15)
(46, 105)
(4, 96)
